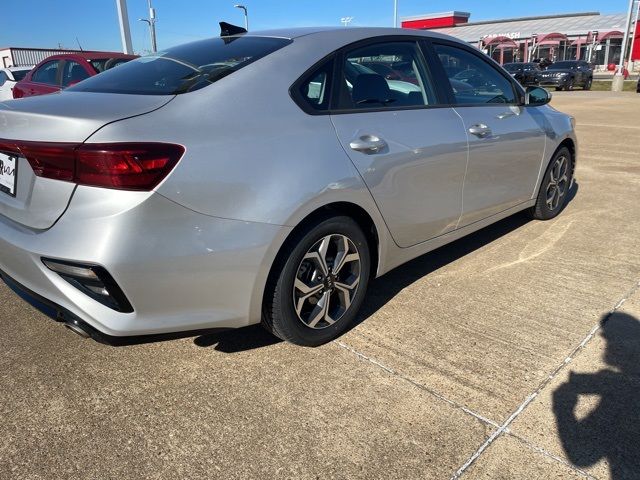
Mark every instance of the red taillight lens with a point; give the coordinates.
(124, 166)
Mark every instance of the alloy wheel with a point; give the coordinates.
(558, 182)
(326, 281)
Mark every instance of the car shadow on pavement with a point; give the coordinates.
(611, 430)
(383, 289)
(380, 291)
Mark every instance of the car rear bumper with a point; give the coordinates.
(179, 269)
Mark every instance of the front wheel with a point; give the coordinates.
(316, 292)
(587, 85)
(554, 189)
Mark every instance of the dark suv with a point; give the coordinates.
(525, 73)
(567, 75)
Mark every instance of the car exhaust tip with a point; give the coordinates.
(76, 327)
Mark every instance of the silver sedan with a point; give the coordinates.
(265, 178)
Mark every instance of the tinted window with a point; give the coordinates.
(73, 73)
(315, 88)
(47, 73)
(562, 66)
(184, 68)
(19, 74)
(362, 86)
(473, 79)
(106, 63)
(3, 78)
(512, 67)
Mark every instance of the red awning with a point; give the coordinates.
(602, 36)
(500, 42)
(551, 38)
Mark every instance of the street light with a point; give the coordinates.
(152, 26)
(246, 16)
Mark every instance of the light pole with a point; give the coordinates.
(246, 16)
(633, 39)
(395, 13)
(152, 27)
(618, 79)
(123, 20)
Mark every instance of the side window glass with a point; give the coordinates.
(384, 75)
(3, 78)
(474, 80)
(47, 73)
(315, 88)
(73, 73)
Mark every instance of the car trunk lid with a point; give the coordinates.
(67, 118)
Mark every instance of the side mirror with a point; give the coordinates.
(536, 96)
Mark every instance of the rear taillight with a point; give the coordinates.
(124, 166)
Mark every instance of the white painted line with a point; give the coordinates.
(532, 396)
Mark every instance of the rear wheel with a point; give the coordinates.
(317, 291)
(554, 189)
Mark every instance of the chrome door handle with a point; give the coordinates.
(480, 130)
(368, 144)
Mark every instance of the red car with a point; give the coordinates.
(59, 71)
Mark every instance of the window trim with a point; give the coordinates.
(338, 57)
(295, 89)
(443, 79)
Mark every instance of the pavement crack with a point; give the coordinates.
(504, 427)
(416, 384)
(550, 455)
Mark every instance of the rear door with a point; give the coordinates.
(44, 79)
(410, 151)
(506, 138)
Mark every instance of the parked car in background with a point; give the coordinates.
(265, 177)
(525, 73)
(390, 72)
(567, 75)
(8, 78)
(60, 71)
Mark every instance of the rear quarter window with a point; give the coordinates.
(184, 68)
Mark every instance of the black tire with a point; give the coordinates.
(587, 85)
(558, 89)
(543, 209)
(279, 313)
(569, 85)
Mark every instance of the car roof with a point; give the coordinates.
(91, 55)
(346, 33)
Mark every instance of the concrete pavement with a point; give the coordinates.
(495, 357)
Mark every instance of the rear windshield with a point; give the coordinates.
(184, 68)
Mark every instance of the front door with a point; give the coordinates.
(506, 139)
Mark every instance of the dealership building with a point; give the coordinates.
(572, 36)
